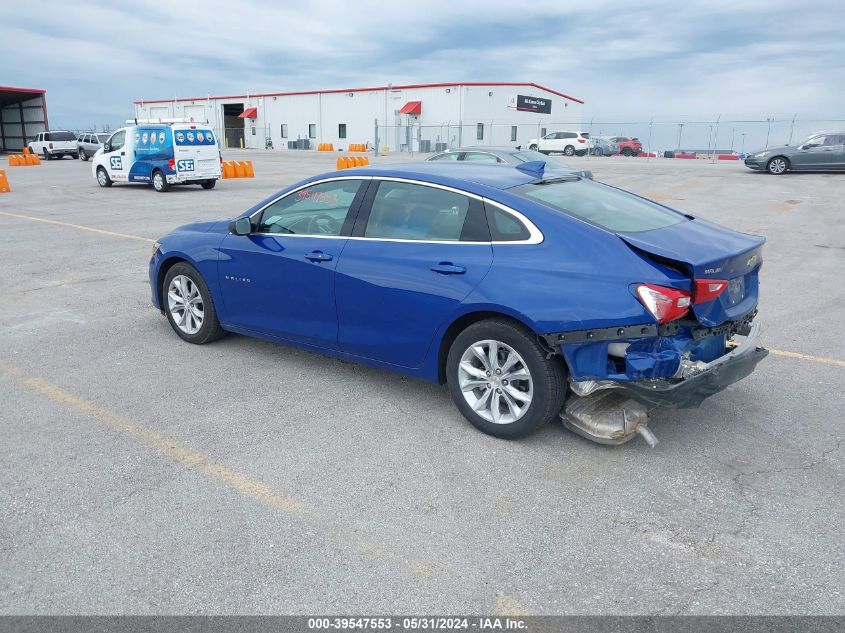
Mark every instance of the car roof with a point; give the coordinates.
(450, 173)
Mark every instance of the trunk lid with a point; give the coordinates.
(708, 251)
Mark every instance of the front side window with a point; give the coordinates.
(601, 205)
(405, 211)
(117, 140)
(479, 131)
(312, 130)
(102, 138)
(315, 210)
(341, 130)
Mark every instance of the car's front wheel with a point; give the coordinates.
(501, 379)
(777, 166)
(533, 146)
(47, 155)
(189, 306)
(83, 155)
(103, 178)
(208, 184)
(627, 151)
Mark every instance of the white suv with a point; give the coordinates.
(570, 143)
(54, 145)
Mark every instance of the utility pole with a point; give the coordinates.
(768, 129)
(680, 131)
(792, 128)
(742, 150)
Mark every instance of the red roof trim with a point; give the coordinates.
(13, 89)
(371, 89)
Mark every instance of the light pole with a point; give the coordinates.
(742, 151)
(680, 131)
(768, 129)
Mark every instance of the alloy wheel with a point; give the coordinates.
(777, 165)
(102, 178)
(495, 381)
(185, 304)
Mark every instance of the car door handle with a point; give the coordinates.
(448, 268)
(318, 256)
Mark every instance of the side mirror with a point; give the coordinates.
(241, 226)
(807, 146)
(106, 147)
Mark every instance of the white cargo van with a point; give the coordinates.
(161, 154)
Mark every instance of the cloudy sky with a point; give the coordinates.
(629, 61)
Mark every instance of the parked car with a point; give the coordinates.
(604, 147)
(506, 285)
(569, 143)
(628, 145)
(504, 156)
(88, 144)
(819, 152)
(56, 144)
(160, 155)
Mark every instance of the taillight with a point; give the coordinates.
(171, 164)
(665, 304)
(51, 146)
(580, 140)
(708, 289)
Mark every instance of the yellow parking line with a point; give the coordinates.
(815, 359)
(507, 606)
(77, 226)
(239, 482)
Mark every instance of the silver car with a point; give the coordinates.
(89, 143)
(819, 152)
(505, 156)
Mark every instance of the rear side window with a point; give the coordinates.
(405, 211)
(504, 227)
(603, 206)
(447, 156)
(60, 136)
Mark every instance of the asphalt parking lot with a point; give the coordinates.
(141, 474)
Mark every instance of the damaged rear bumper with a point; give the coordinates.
(685, 384)
(691, 391)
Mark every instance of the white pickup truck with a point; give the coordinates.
(56, 144)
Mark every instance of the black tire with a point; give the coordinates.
(598, 151)
(548, 377)
(208, 184)
(75, 156)
(83, 155)
(210, 329)
(160, 181)
(29, 147)
(103, 177)
(47, 155)
(627, 151)
(777, 165)
(569, 150)
(534, 147)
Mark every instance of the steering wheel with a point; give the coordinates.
(324, 224)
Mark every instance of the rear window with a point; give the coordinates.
(60, 136)
(585, 135)
(530, 155)
(603, 206)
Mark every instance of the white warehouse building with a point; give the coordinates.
(418, 117)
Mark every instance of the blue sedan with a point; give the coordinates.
(515, 287)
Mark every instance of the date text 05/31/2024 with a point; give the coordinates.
(417, 623)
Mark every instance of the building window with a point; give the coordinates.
(542, 131)
(284, 130)
(513, 132)
(312, 130)
(479, 131)
(341, 130)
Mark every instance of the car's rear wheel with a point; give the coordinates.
(777, 165)
(569, 150)
(598, 151)
(83, 155)
(188, 305)
(160, 182)
(208, 184)
(533, 147)
(47, 155)
(501, 381)
(103, 177)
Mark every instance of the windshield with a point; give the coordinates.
(601, 205)
(530, 155)
(61, 136)
(813, 139)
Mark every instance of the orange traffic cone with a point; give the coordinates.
(248, 170)
(341, 164)
(4, 182)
